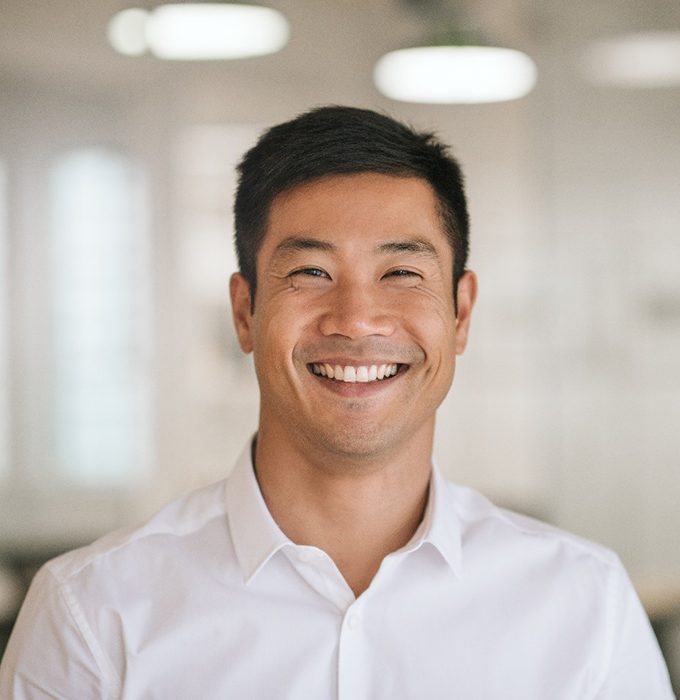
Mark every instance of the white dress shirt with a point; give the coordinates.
(210, 600)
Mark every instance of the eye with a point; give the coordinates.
(310, 271)
(403, 273)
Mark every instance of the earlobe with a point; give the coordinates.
(239, 291)
(466, 294)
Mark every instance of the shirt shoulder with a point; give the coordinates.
(567, 596)
(179, 519)
(477, 514)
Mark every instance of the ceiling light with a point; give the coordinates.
(641, 60)
(126, 31)
(455, 74)
(200, 31)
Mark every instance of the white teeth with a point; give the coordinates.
(352, 374)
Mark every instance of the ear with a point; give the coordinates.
(239, 290)
(465, 295)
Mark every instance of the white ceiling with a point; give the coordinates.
(333, 46)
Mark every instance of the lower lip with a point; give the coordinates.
(359, 389)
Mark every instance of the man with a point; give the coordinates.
(335, 562)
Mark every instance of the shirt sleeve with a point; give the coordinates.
(50, 654)
(637, 668)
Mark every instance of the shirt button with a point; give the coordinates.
(353, 621)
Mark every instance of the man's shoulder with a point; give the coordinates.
(177, 520)
(486, 524)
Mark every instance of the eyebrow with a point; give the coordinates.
(410, 245)
(293, 244)
(418, 246)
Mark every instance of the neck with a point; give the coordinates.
(356, 510)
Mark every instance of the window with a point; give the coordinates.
(99, 265)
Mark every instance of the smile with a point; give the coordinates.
(353, 374)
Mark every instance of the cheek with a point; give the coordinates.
(276, 334)
(432, 321)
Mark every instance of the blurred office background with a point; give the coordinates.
(121, 384)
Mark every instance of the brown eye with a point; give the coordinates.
(311, 271)
(402, 273)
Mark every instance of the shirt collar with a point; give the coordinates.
(256, 536)
(441, 525)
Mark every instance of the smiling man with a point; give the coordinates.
(335, 561)
(355, 334)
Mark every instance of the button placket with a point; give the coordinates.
(352, 656)
(353, 621)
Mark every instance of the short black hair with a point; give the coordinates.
(338, 140)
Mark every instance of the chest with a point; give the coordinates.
(398, 643)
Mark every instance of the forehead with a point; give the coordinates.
(359, 207)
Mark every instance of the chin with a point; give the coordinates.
(359, 443)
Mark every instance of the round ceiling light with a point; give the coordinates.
(455, 74)
(641, 60)
(126, 31)
(201, 31)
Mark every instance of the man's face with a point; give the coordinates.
(354, 279)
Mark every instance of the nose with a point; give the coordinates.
(356, 311)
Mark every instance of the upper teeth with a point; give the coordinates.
(349, 373)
